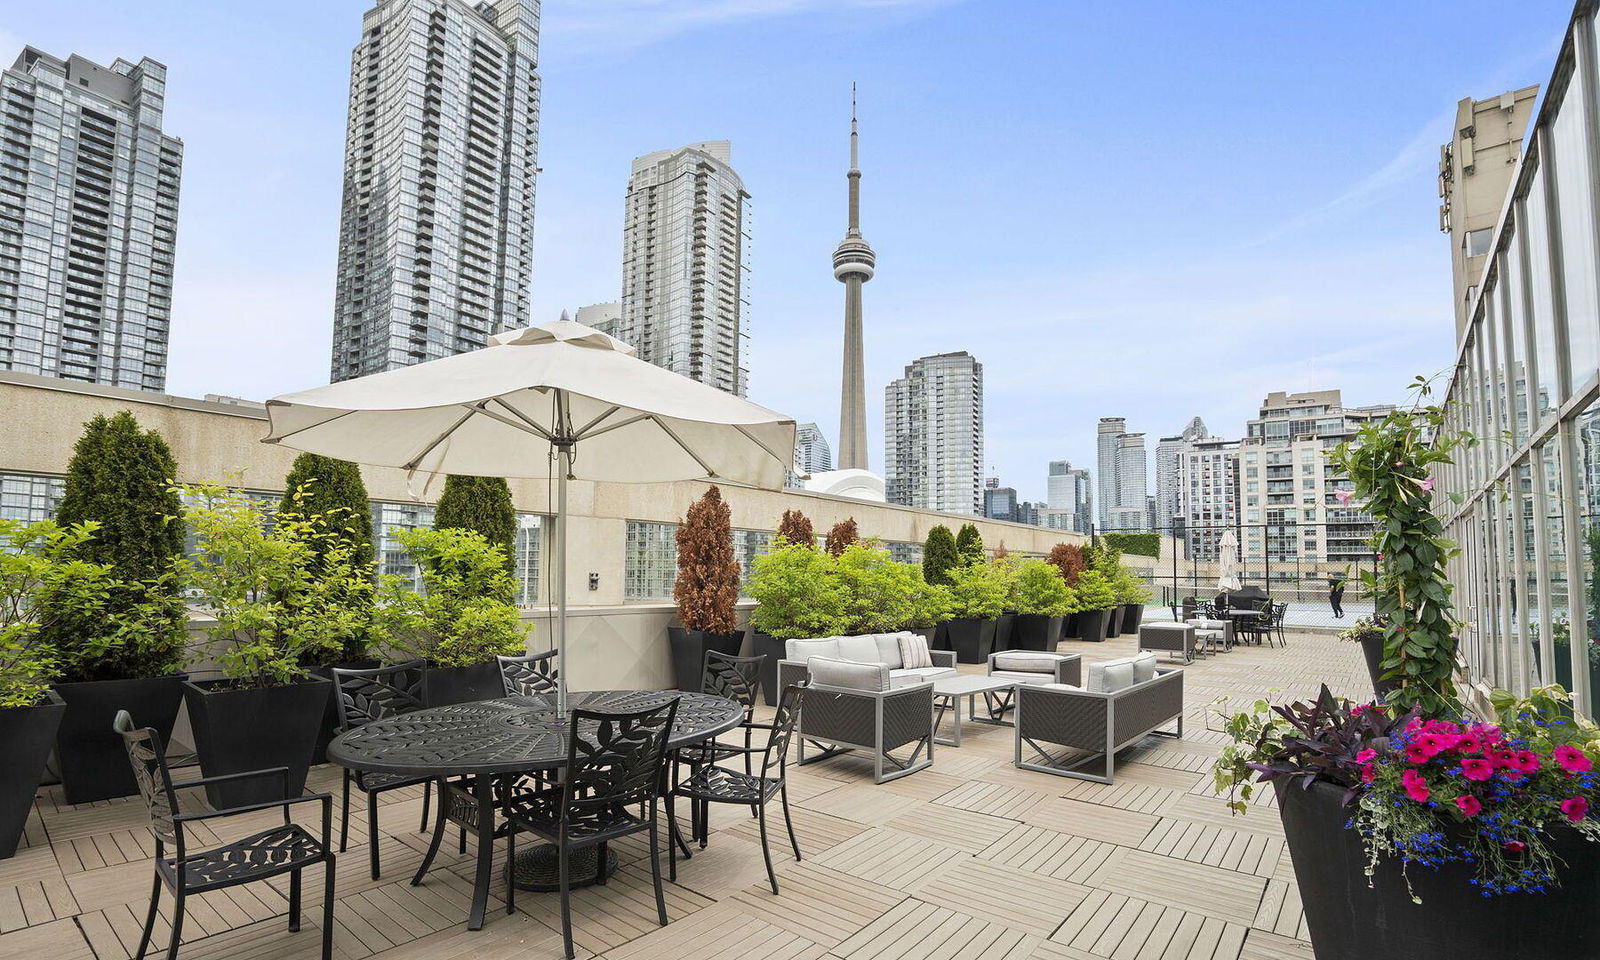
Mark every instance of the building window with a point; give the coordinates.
(747, 545)
(907, 552)
(29, 497)
(1477, 241)
(650, 563)
(391, 519)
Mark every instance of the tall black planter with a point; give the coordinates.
(26, 734)
(1372, 651)
(1069, 627)
(236, 730)
(1035, 631)
(1132, 614)
(1003, 626)
(94, 763)
(1092, 625)
(971, 638)
(442, 686)
(772, 649)
(1113, 623)
(689, 653)
(1351, 920)
(330, 716)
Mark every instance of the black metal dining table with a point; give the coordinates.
(489, 739)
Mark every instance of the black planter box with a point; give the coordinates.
(1092, 625)
(1132, 614)
(689, 654)
(772, 649)
(94, 763)
(442, 686)
(1372, 652)
(1349, 918)
(330, 717)
(1003, 625)
(1069, 627)
(1035, 631)
(1113, 623)
(237, 730)
(26, 734)
(971, 638)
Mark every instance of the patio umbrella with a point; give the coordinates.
(557, 398)
(1228, 562)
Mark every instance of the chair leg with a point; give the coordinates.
(427, 795)
(566, 899)
(372, 832)
(327, 909)
(294, 901)
(461, 847)
(177, 927)
(655, 868)
(673, 840)
(149, 918)
(433, 844)
(344, 813)
(766, 852)
(788, 821)
(511, 872)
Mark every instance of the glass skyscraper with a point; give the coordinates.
(441, 155)
(88, 220)
(933, 435)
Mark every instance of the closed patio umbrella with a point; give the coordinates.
(1228, 562)
(557, 398)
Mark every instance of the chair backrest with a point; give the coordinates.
(149, 759)
(614, 760)
(783, 723)
(1279, 611)
(733, 678)
(528, 675)
(368, 695)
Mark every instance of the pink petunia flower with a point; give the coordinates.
(1426, 485)
(1514, 846)
(1416, 786)
(1576, 808)
(1366, 756)
(1368, 773)
(1525, 761)
(1469, 805)
(1469, 743)
(1477, 769)
(1343, 496)
(1572, 760)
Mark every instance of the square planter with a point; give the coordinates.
(771, 649)
(1035, 631)
(94, 763)
(253, 728)
(330, 717)
(442, 686)
(689, 654)
(1132, 614)
(1002, 631)
(972, 639)
(1113, 623)
(1092, 625)
(26, 734)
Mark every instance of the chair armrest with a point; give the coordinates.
(1070, 670)
(326, 799)
(282, 773)
(943, 658)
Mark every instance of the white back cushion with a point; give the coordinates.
(803, 650)
(847, 674)
(862, 649)
(889, 649)
(1111, 675)
(1144, 667)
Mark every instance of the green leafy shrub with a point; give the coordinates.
(1037, 588)
(977, 591)
(798, 593)
(1095, 591)
(1129, 588)
(707, 588)
(931, 603)
(1137, 544)
(969, 544)
(482, 505)
(466, 613)
(279, 598)
(879, 593)
(42, 579)
(120, 479)
(795, 527)
(939, 555)
(842, 536)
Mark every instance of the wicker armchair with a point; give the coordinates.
(850, 706)
(1095, 725)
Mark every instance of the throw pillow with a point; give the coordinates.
(914, 651)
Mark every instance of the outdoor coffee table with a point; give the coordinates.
(490, 739)
(947, 694)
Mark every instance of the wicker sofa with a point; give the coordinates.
(1123, 702)
(852, 706)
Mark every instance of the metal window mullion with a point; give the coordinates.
(1577, 586)
(1541, 566)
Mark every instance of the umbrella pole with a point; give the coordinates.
(563, 467)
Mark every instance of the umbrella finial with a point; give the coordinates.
(565, 317)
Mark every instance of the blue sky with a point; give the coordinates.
(1148, 210)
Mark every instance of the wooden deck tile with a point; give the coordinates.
(915, 930)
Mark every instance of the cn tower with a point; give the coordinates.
(853, 261)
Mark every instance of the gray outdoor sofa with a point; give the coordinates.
(881, 648)
(853, 706)
(1123, 702)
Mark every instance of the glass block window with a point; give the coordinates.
(650, 563)
(905, 552)
(29, 497)
(747, 545)
(267, 503)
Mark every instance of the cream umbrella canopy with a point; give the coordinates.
(557, 398)
(1228, 562)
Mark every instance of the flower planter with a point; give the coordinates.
(442, 686)
(772, 649)
(242, 729)
(1035, 631)
(1113, 623)
(1092, 625)
(1132, 614)
(330, 717)
(94, 763)
(1003, 625)
(26, 734)
(1348, 919)
(689, 654)
(971, 638)
(1372, 651)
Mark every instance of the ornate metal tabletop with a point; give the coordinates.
(512, 734)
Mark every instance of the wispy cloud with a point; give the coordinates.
(593, 25)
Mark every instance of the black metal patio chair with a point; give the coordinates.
(732, 678)
(615, 763)
(529, 675)
(288, 848)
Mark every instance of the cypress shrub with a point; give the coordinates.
(121, 477)
(319, 486)
(482, 505)
(842, 536)
(795, 527)
(708, 573)
(969, 544)
(939, 555)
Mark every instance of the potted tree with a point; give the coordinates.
(1067, 558)
(1131, 596)
(841, 536)
(878, 592)
(969, 545)
(798, 596)
(41, 579)
(464, 617)
(795, 527)
(707, 590)
(272, 604)
(930, 607)
(333, 490)
(978, 594)
(484, 506)
(939, 557)
(126, 653)
(1095, 602)
(1041, 598)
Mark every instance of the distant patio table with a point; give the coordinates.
(487, 739)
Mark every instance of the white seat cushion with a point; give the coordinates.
(862, 649)
(1060, 686)
(1023, 662)
(848, 674)
(1144, 667)
(1031, 679)
(907, 676)
(803, 650)
(1203, 624)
